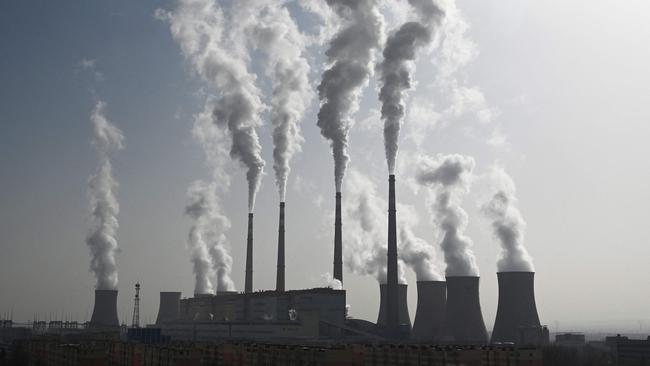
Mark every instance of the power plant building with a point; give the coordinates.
(447, 312)
(313, 313)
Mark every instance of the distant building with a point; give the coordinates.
(232, 353)
(625, 351)
(575, 340)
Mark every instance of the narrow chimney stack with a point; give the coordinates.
(392, 307)
(248, 287)
(279, 281)
(338, 241)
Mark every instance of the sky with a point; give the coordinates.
(554, 93)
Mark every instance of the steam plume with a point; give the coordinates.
(507, 223)
(102, 240)
(366, 235)
(415, 251)
(449, 178)
(350, 53)
(397, 67)
(207, 240)
(278, 36)
(209, 247)
(200, 28)
(331, 282)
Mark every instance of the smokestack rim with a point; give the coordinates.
(430, 281)
(105, 291)
(520, 272)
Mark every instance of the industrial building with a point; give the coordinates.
(448, 312)
(295, 314)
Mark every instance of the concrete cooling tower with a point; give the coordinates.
(516, 313)
(402, 305)
(430, 312)
(105, 310)
(463, 318)
(169, 309)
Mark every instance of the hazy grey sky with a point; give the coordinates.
(555, 92)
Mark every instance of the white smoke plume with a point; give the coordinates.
(201, 29)
(278, 36)
(350, 53)
(508, 224)
(209, 247)
(102, 240)
(331, 282)
(365, 236)
(398, 66)
(449, 178)
(207, 241)
(414, 251)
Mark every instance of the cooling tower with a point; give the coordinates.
(338, 241)
(430, 312)
(279, 281)
(516, 311)
(248, 287)
(105, 310)
(463, 318)
(169, 309)
(402, 305)
(392, 306)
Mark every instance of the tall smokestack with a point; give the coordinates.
(401, 301)
(430, 313)
(392, 308)
(338, 241)
(169, 309)
(105, 310)
(517, 311)
(249, 256)
(279, 281)
(463, 318)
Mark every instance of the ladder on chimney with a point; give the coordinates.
(136, 308)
